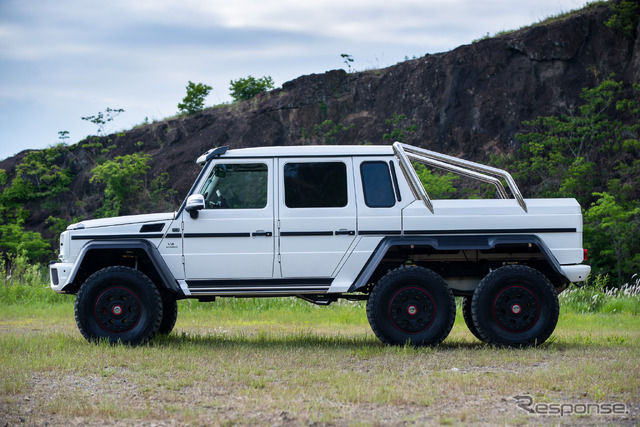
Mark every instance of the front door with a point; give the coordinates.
(233, 238)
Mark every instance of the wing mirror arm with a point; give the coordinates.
(195, 203)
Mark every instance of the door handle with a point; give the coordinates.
(262, 233)
(345, 232)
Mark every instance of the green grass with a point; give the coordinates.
(246, 361)
(285, 361)
(596, 296)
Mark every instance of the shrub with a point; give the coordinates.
(100, 120)
(22, 281)
(244, 89)
(625, 16)
(14, 239)
(122, 179)
(596, 297)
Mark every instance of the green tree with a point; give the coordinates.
(400, 128)
(612, 235)
(122, 178)
(438, 186)
(348, 60)
(573, 153)
(244, 89)
(625, 16)
(63, 137)
(95, 145)
(101, 120)
(328, 132)
(14, 240)
(40, 174)
(161, 197)
(39, 177)
(591, 153)
(193, 102)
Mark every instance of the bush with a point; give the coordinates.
(596, 297)
(625, 16)
(122, 180)
(14, 239)
(247, 88)
(24, 282)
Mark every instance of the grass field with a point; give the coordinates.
(287, 362)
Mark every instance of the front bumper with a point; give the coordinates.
(59, 275)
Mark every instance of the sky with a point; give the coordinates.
(61, 60)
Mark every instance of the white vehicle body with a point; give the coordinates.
(323, 222)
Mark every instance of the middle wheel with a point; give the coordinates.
(468, 317)
(411, 304)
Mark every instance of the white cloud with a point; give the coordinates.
(62, 60)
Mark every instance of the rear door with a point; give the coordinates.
(317, 215)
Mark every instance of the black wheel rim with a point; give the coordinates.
(412, 310)
(516, 309)
(117, 310)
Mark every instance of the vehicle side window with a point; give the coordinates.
(236, 186)
(376, 185)
(315, 185)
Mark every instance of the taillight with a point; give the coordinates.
(585, 255)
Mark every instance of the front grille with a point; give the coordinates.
(54, 276)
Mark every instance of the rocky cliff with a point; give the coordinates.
(469, 102)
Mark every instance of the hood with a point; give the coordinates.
(122, 220)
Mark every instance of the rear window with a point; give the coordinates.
(315, 185)
(376, 185)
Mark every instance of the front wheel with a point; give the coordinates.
(119, 304)
(169, 313)
(411, 305)
(515, 306)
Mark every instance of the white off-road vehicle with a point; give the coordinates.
(328, 222)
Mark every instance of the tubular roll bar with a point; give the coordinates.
(405, 153)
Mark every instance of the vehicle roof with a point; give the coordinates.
(306, 151)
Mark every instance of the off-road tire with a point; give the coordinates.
(515, 306)
(119, 304)
(468, 318)
(411, 305)
(169, 313)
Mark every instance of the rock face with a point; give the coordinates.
(469, 102)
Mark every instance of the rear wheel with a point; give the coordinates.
(411, 305)
(515, 306)
(468, 318)
(119, 304)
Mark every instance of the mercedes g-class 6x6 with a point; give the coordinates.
(328, 222)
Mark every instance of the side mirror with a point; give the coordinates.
(195, 202)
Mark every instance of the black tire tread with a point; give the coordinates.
(468, 318)
(388, 280)
(169, 313)
(527, 274)
(106, 274)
